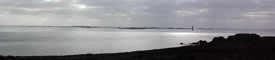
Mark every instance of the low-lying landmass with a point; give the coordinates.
(106, 27)
(135, 28)
(235, 47)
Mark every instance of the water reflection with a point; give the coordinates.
(181, 33)
(66, 41)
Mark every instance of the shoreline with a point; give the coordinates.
(235, 47)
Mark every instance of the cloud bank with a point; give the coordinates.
(255, 14)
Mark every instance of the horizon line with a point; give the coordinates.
(130, 27)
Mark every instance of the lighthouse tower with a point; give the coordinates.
(192, 28)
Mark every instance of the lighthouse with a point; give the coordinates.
(192, 28)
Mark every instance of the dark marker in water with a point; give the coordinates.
(192, 28)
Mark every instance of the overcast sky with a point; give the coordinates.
(255, 14)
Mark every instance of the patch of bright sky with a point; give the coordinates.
(52, 0)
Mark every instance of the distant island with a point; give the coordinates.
(137, 28)
(242, 46)
(106, 27)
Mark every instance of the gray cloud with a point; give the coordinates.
(164, 13)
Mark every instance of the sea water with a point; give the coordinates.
(41, 41)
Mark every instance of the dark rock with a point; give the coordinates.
(181, 43)
(199, 43)
(244, 36)
(203, 42)
(218, 40)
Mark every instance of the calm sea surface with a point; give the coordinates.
(30, 41)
